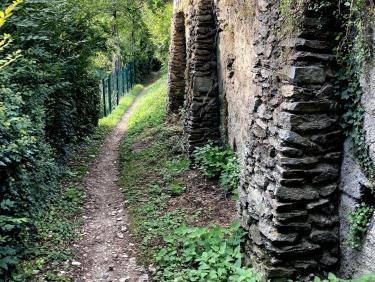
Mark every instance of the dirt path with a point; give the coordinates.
(105, 252)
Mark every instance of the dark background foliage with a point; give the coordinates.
(49, 98)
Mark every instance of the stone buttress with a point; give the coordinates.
(202, 101)
(288, 193)
(177, 64)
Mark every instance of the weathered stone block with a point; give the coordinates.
(308, 107)
(306, 75)
(306, 162)
(295, 194)
(297, 140)
(324, 237)
(202, 84)
(272, 234)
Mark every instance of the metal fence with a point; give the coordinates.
(176, 2)
(115, 86)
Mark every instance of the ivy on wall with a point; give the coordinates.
(355, 48)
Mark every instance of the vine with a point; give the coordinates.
(355, 48)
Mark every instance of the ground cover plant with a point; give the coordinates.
(219, 162)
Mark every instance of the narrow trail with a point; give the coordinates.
(105, 252)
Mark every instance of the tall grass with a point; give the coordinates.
(150, 111)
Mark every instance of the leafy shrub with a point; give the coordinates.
(211, 159)
(229, 178)
(203, 254)
(48, 100)
(359, 221)
(215, 161)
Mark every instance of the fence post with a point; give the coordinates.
(110, 92)
(123, 80)
(117, 88)
(130, 75)
(127, 78)
(104, 102)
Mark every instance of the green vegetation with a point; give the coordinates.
(203, 254)
(111, 120)
(359, 221)
(150, 169)
(53, 54)
(151, 166)
(54, 228)
(215, 161)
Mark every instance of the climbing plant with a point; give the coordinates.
(355, 48)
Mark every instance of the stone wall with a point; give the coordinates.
(355, 188)
(272, 97)
(288, 199)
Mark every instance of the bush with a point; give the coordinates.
(215, 161)
(229, 178)
(48, 100)
(211, 159)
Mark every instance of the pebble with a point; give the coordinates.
(126, 279)
(76, 263)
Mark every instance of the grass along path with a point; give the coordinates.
(163, 192)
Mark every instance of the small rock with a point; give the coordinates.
(76, 263)
(124, 229)
(111, 268)
(126, 279)
(120, 235)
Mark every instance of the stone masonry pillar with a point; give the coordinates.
(288, 198)
(202, 101)
(177, 64)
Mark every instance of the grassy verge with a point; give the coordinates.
(49, 251)
(162, 190)
(148, 165)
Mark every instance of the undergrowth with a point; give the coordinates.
(218, 162)
(152, 163)
(203, 254)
